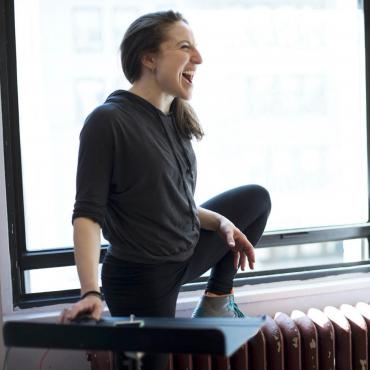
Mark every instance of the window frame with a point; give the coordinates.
(22, 260)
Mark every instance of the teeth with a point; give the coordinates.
(190, 73)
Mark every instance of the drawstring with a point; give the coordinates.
(179, 165)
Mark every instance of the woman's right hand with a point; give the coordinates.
(91, 306)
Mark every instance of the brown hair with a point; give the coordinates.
(143, 36)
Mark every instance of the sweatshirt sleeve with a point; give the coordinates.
(94, 169)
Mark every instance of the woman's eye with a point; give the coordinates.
(185, 46)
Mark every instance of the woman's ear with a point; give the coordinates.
(148, 61)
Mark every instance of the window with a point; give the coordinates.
(287, 78)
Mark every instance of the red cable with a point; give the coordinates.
(41, 364)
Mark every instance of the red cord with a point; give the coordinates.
(41, 364)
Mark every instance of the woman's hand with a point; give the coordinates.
(239, 244)
(91, 306)
(86, 237)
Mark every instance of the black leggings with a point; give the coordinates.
(152, 290)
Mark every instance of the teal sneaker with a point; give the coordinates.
(217, 307)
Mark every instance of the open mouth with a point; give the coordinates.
(188, 76)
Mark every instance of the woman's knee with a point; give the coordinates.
(263, 197)
(258, 195)
(255, 198)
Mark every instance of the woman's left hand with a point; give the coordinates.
(239, 244)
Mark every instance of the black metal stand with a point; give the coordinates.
(128, 337)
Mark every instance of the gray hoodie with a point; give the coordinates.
(136, 177)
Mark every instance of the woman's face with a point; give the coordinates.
(176, 61)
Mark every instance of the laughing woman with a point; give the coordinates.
(136, 180)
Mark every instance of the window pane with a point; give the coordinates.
(289, 86)
(281, 97)
(305, 255)
(53, 279)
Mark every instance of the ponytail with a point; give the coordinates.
(187, 121)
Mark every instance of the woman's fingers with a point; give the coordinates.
(96, 314)
(242, 260)
(63, 316)
(90, 305)
(80, 309)
(241, 247)
(249, 252)
(245, 249)
(230, 239)
(236, 260)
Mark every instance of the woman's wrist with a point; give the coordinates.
(210, 220)
(92, 292)
(222, 221)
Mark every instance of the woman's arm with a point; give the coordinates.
(86, 237)
(209, 220)
(239, 244)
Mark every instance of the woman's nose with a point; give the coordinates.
(197, 58)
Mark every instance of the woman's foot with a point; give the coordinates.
(217, 306)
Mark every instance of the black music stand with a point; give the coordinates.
(215, 336)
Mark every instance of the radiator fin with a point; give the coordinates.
(309, 340)
(292, 341)
(274, 345)
(343, 341)
(326, 338)
(359, 336)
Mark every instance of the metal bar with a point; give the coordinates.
(51, 258)
(316, 235)
(366, 8)
(12, 155)
(64, 257)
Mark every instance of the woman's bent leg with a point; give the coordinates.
(143, 290)
(248, 207)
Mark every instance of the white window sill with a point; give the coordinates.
(258, 299)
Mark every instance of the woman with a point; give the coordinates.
(136, 179)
